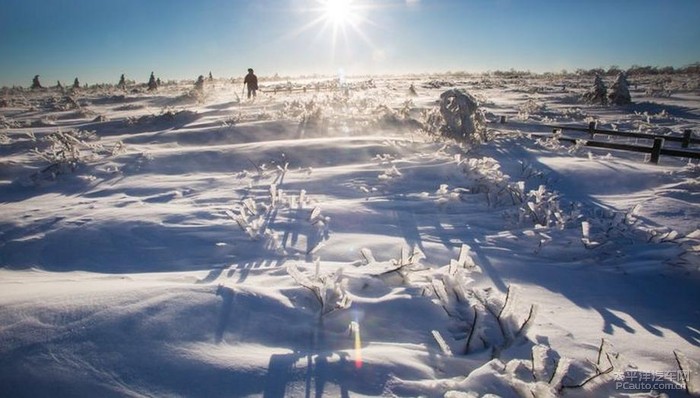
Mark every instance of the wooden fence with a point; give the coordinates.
(656, 150)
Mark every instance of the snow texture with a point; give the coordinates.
(361, 239)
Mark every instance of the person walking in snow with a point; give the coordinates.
(252, 81)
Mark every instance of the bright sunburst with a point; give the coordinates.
(339, 21)
(339, 12)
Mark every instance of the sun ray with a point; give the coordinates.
(342, 24)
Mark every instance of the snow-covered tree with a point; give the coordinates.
(620, 92)
(122, 82)
(199, 84)
(35, 83)
(598, 94)
(76, 83)
(211, 77)
(152, 84)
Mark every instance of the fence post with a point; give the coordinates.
(591, 128)
(686, 138)
(656, 150)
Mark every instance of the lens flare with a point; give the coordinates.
(355, 330)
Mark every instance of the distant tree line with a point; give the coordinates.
(634, 70)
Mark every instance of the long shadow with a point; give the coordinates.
(120, 246)
(147, 123)
(223, 106)
(316, 352)
(653, 108)
(605, 287)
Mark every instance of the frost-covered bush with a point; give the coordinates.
(543, 207)
(199, 84)
(167, 116)
(329, 290)
(620, 92)
(7, 123)
(482, 318)
(531, 107)
(598, 94)
(463, 119)
(553, 143)
(602, 226)
(68, 149)
(196, 93)
(574, 113)
(489, 180)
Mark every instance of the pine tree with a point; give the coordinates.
(620, 92)
(598, 94)
(76, 83)
(152, 84)
(35, 83)
(211, 78)
(122, 82)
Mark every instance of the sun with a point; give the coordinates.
(342, 23)
(339, 12)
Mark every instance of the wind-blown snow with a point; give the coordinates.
(334, 243)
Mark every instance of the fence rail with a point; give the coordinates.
(656, 150)
(685, 140)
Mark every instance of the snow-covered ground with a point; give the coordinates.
(323, 243)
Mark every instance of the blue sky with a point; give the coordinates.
(97, 40)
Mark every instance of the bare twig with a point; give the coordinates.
(529, 318)
(600, 351)
(598, 373)
(471, 332)
(554, 372)
(683, 374)
(505, 303)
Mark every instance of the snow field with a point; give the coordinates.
(321, 243)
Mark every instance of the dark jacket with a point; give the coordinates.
(251, 80)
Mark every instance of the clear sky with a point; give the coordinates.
(98, 40)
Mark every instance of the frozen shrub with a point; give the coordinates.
(531, 107)
(329, 290)
(542, 207)
(489, 180)
(620, 92)
(462, 116)
(69, 149)
(199, 84)
(598, 94)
